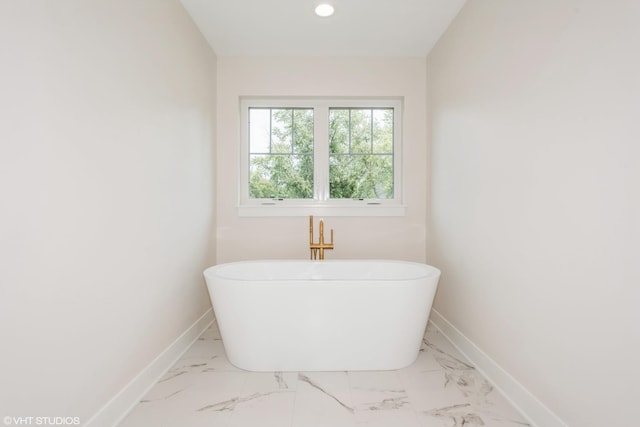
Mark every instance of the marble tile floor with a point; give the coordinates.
(440, 389)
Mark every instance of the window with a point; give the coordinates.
(361, 153)
(320, 156)
(280, 153)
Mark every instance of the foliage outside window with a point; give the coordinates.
(361, 153)
(320, 154)
(281, 153)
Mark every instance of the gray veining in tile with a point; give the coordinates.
(463, 375)
(457, 415)
(306, 379)
(169, 396)
(171, 376)
(389, 403)
(230, 405)
(282, 384)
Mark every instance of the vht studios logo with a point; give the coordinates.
(42, 421)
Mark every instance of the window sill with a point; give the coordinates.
(321, 210)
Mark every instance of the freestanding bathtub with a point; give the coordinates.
(345, 315)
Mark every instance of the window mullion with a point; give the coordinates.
(371, 132)
(270, 130)
(321, 153)
(293, 133)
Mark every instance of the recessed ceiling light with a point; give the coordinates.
(324, 10)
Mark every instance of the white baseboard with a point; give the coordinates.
(114, 411)
(529, 406)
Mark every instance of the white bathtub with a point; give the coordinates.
(322, 315)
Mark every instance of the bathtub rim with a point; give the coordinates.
(430, 272)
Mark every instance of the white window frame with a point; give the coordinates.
(321, 204)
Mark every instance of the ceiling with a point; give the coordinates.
(290, 27)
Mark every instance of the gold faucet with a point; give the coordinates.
(318, 248)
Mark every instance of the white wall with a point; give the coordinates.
(106, 193)
(535, 208)
(355, 237)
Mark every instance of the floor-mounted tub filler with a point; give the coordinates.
(343, 315)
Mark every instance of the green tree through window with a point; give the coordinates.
(281, 153)
(361, 153)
